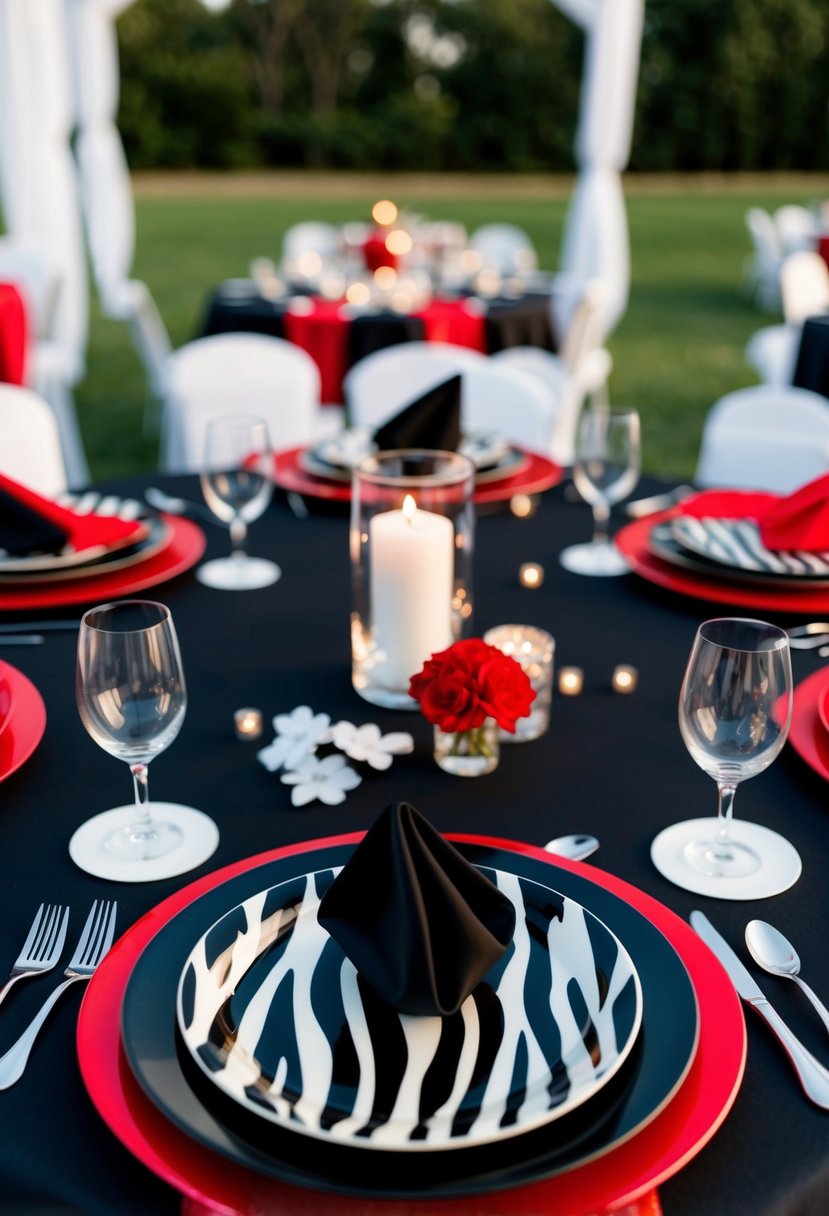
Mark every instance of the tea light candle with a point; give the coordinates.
(534, 649)
(531, 575)
(412, 575)
(248, 723)
(624, 678)
(570, 681)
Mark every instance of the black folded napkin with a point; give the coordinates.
(418, 921)
(432, 421)
(23, 529)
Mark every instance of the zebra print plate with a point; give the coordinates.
(736, 543)
(277, 1018)
(662, 544)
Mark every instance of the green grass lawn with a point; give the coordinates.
(678, 348)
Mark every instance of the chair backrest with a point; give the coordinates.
(494, 396)
(505, 247)
(310, 236)
(795, 227)
(764, 236)
(30, 450)
(804, 285)
(584, 332)
(766, 437)
(36, 279)
(237, 373)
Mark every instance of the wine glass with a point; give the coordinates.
(735, 708)
(605, 470)
(132, 700)
(237, 485)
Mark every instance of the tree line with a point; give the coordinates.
(466, 85)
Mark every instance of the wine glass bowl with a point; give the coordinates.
(132, 700)
(735, 708)
(237, 485)
(606, 469)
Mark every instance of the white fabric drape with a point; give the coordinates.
(595, 243)
(40, 200)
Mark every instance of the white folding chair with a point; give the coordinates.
(579, 370)
(237, 373)
(772, 352)
(804, 286)
(762, 269)
(795, 228)
(493, 396)
(505, 248)
(765, 437)
(30, 448)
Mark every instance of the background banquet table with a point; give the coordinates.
(611, 764)
(336, 338)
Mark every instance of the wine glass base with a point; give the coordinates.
(234, 574)
(779, 868)
(601, 560)
(88, 850)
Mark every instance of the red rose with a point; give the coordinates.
(450, 702)
(458, 688)
(505, 690)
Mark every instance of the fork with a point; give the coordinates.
(95, 941)
(42, 948)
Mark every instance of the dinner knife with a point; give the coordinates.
(812, 1075)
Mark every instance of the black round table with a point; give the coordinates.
(610, 764)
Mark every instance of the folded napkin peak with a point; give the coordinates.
(420, 923)
(796, 521)
(30, 523)
(431, 421)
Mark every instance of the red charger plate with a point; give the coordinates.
(807, 734)
(632, 541)
(187, 544)
(536, 475)
(624, 1175)
(26, 724)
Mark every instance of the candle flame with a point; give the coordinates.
(409, 508)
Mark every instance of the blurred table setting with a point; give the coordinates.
(472, 1022)
(342, 293)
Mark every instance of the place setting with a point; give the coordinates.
(432, 421)
(80, 548)
(195, 1095)
(752, 548)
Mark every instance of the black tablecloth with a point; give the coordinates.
(812, 365)
(522, 321)
(610, 764)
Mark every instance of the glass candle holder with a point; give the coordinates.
(534, 649)
(411, 541)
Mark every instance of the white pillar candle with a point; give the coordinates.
(412, 575)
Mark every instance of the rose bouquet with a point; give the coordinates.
(468, 692)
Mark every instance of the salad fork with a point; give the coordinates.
(94, 942)
(42, 948)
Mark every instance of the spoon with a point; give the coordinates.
(575, 847)
(775, 954)
(178, 506)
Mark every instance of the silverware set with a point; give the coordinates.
(775, 954)
(813, 636)
(40, 953)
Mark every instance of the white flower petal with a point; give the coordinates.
(298, 753)
(293, 778)
(342, 733)
(301, 795)
(398, 743)
(379, 760)
(329, 794)
(369, 735)
(346, 780)
(330, 765)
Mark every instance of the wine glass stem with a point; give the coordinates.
(601, 517)
(238, 536)
(725, 810)
(143, 823)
